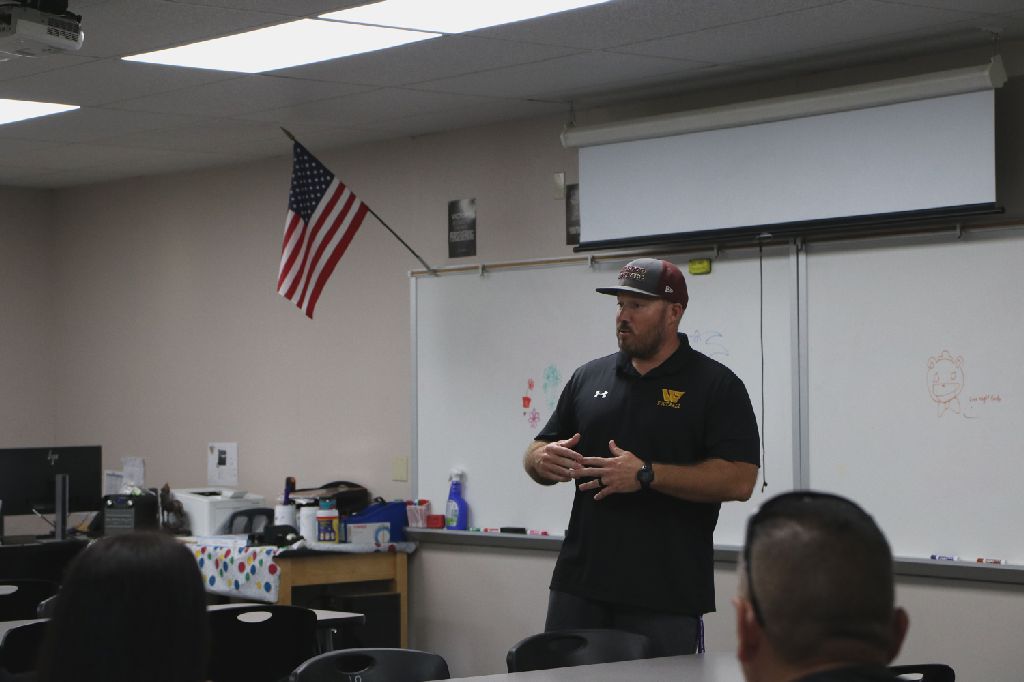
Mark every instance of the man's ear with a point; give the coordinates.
(900, 625)
(748, 630)
(676, 313)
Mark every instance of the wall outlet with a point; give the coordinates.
(400, 469)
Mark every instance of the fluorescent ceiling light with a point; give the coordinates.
(940, 84)
(454, 16)
(12, 110)
(277, 47)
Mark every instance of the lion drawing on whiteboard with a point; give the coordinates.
(946, 380)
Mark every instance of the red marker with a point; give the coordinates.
(538, 532)
(983, 560)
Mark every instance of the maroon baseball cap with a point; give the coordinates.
(650, 277)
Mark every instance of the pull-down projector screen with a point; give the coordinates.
(924, 157)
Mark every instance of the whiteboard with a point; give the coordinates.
(934, 453)
(483, 344)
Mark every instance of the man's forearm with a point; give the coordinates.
(713, 480)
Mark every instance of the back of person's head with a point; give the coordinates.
(132, 607)
(816, 583)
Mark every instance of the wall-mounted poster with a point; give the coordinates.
(461, 228)
(572, 214)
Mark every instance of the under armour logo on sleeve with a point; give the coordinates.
(600, 394)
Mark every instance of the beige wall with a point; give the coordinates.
(470, 604)
(27, 288)
(172, 334)
(145, 319)
(27, 285)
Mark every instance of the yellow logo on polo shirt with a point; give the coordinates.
(670, 398)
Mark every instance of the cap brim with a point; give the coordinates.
(615, 291)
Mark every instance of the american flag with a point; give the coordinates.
(323, 217)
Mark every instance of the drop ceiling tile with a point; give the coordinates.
(428, 60)
(18, 67)
(106, 81)
(240, 95)
(123, 27)
(565, 77)
(77, 156)
(354, 110)
(86, 125)
(629, 21)
(465, 117)
(31, 154)
(819, 28)
(246, 139)
(296, 8)
(142, 118)
(978, 6)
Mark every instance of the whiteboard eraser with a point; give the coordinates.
(699, 266)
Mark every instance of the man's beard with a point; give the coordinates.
(641, 346)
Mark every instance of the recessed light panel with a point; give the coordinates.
(277, 47)
(12, 110)
(453, 16)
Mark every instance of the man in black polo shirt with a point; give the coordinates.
(656, 437)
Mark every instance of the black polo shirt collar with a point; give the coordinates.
(673, 363)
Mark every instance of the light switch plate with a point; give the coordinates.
(400, 469)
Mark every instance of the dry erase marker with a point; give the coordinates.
(945, 557)
(983, 560)
(538, 532)
(492, 530)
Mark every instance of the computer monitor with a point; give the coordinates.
(28, 478)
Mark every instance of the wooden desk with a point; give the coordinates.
(717, 667)
(325, 568)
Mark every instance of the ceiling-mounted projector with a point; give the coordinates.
(30, 32)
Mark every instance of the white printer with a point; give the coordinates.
(209, 509)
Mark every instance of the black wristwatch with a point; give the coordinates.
(645, 476)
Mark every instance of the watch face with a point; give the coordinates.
(645, 475)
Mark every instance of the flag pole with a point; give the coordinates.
(379, 219)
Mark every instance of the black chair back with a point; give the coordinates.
(372, 665)
(260, 643)
(925, 672)
(19, 649)
(20, 597)
(47, 607)
(565, 648)
(250, 520)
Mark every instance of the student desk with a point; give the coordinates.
(717, 667)
(233, 569)
(326, 621)
(306, 567)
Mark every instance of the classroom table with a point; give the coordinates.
(273, 573)
(716, 667)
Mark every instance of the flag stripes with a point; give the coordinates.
(323, 217)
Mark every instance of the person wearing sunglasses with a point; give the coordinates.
(655, 437)
(816, 601)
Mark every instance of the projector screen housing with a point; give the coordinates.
(882, 164)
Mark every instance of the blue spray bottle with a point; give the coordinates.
(456, 515)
